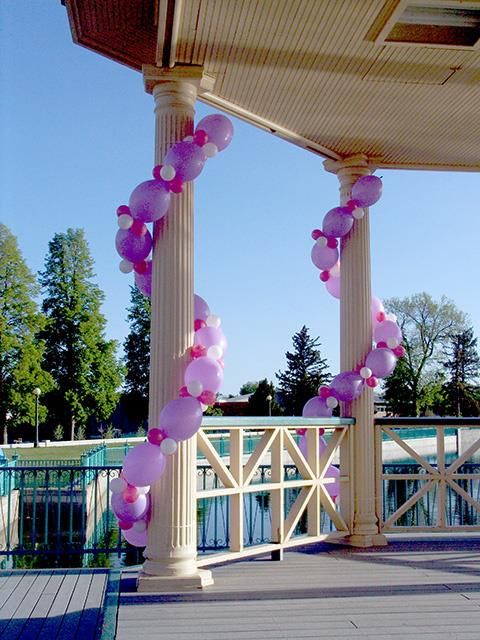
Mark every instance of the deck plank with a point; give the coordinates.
(90, 617)
(44, 603)
(25, 607)
(73, 612)
(59, 606)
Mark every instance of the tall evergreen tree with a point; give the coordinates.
(20, 350)
(137, 358)
(463, 367)
(77, 355)
(262, 402)
(306, 371)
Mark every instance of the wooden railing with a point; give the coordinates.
(436, 487)
(296, 500)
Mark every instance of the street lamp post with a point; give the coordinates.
(269, 400)
(36, 393)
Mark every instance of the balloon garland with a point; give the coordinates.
(180, 418)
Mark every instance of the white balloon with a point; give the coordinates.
(213, 321)
(215, 352)
(358, 213)
(125, 266)
(392, 343)
(391, 316)
(168, 446)
(118, 485)
(322, 241)
(139, 526)
(143, 490)
(167, 172)
(204, 406)
(210, 149)
(195, 388)
(335, 271)
(188, 139)
(365, 372)
(331, 402)
(124, 221)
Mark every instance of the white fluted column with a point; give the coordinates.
(355, 343)
(172, 541)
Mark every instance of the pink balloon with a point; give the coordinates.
(376, 307)
(181, 418)
(149, 201)
(130, 511)
(316, 408)
(143, 465)
(187, 159)
(381, 361)
(201, 310)
(207, 371)
(324, 258)
(367, 190)
(387, 329)
(333, 286)
(337, 222)
(136, 538)
(218, 128)
(347, 386)
(144, 280)
(131, 246)
(210, 336)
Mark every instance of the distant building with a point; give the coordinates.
(235, 405)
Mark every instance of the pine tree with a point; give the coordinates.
(20, 350)
(77, 355)
(306, 371)
(137, 358)
(463, 366)
(262, 402)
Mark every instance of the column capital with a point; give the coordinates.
(189, 74)
(348, 170)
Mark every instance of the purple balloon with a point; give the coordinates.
(367, 190)
(143, 465)
(201, 310)
(381, 361)
(333, 286)
(181, 418)
(347, 386)
(144, 280)
(187, 158)
(133, 247)
(149, 201)
(207, 371)
(337, 222)
(316, 408)
(387, 329)
(218, 128)
(324, 258)
(130, 511)
(210, 336)
(135, 538)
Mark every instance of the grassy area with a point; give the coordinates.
(70, 452)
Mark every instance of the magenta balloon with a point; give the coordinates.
(136, 538)
(387, 329)
(143, 465)
(131, 246)
(181, 418)
(333, 286)
(316, 408)
(207, 371)
(337, 222)
(218, 128)
(201, 310)
(367, 190)
(347, 386)
(381, 361)
(130, 511)
(187, 158)
(324, 258)
(144, 280)
(210, 336)
(149, 201)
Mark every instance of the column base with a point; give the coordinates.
(364, 540)
(147, 583)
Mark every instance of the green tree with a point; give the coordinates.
(306, 371)
(78, 356)
(463, 365)
(20, 350)
(137, 358)
(262, 402)
(248, 387)
(426, 326)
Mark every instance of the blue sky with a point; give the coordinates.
(77, 137)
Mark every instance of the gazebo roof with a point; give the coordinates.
(334, 76)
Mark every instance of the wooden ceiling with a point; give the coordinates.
(311, 71)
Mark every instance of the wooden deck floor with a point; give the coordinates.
(407, 590)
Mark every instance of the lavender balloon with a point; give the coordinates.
(132, 246)
(207, 371)
(316, 408)
(367, 190)
(218, 128)
(149, 201)
(333, 286)
(324, 257)
(337, 222)
(381, 361)
(136, 538)
(201, 310)
(144, 280)
(210, 336)
(376, 307)
(347, 386)
(187, 158)
(181, 418)
(143, 465)
(387, 329)
(130, 511)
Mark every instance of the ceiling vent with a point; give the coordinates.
(433, 23)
